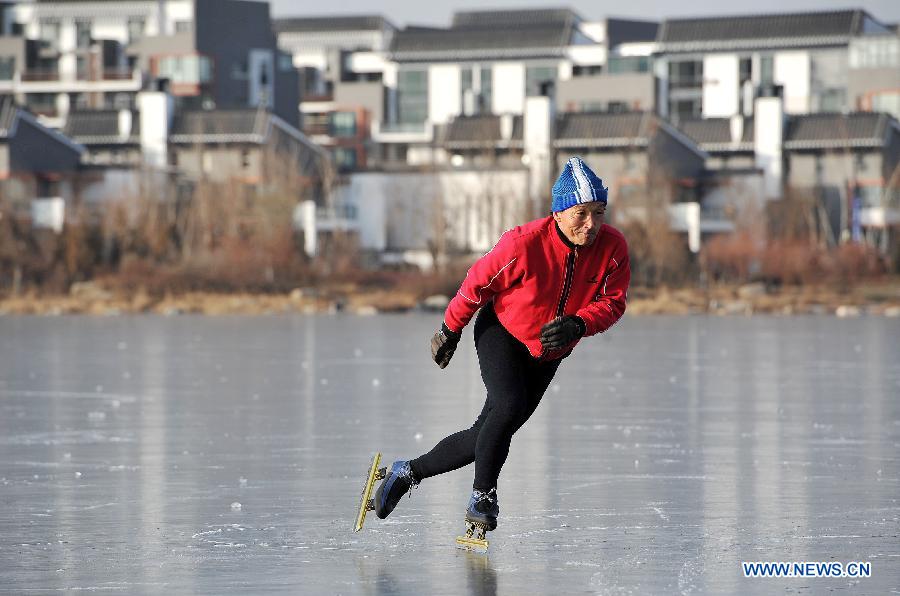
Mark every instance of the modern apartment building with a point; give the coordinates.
(62, 55)
(413, 81)
(823, 61)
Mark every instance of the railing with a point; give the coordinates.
(117, 74)
(391, 127)
(40, 75)
(685, 81)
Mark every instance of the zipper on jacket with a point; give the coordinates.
(567, 285)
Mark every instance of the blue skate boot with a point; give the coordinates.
(397, 483)
(483, 509)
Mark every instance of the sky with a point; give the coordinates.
(419, 12)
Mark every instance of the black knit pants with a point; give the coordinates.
(515, 383)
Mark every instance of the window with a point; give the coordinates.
(185, 69)
(875, 52)
(626, 64)
(412, 96)
(685, 109)
(49, 30)
(83, 34)
(135, 28)
(345, 158)
(183, 26)
(7, 68)
(586, 71)
(686, 74)
(245, 158)
(465, 89)
(487, 88)
(766, 70)
(889, 102)
(343, 124)
(745, 68)
(832, 100)
(536, 78)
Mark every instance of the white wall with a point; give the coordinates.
(792, 70)
(508, 90)
(398, 211)
(444, 92)
(720, 85)
(768, 135)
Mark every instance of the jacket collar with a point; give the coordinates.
(562, 237)
(564, 243)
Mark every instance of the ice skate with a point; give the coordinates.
(398, 481)
(481, 517)
(366, 502)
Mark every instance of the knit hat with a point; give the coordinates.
(577, 184)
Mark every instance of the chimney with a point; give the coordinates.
(768, 138)
(125, 123)
(155, 109)
(506, 126)
(538, 131)
(737, 128)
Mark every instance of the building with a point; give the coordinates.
(341, 61)
(36, 162)
(62, 55)
(250, 147)
(394, 89)
(823, 61)
(849, 164)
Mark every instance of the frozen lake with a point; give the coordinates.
(665, 453)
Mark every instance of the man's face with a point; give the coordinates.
(580, 223)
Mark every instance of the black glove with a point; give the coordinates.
(443, 344)
(561, 331)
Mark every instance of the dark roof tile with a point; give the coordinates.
(100, 127)
(831, 130)
(790, 29)
(602, 127)
(714, 134)
(480, 131)
(331, 23)
(220, 126)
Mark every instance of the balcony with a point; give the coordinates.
(402, 132)
(686, 82)
(40, 75)
(118, 74)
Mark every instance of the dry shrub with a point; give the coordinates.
(658, 255)
(800, 263)
(730, 258)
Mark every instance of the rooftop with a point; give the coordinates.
(331, 23)
(101, 127)
(803, 132)
(473, 132)
(788, 29)
(485, 34)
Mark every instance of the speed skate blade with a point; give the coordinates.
(367, 493)
(466, 543)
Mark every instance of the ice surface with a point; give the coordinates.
(666, 452)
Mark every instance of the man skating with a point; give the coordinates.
(543, 287)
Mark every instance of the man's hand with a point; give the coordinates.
(443, 344)
(561, 331)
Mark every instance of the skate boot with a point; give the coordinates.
(397, 483)
(481, 517)
(483, 509)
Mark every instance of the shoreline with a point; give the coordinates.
(870, 298)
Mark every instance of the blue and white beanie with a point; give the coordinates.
(577, 184)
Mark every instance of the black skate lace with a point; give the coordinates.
(406, 473)
(489, 496)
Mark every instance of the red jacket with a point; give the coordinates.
(534, 275)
